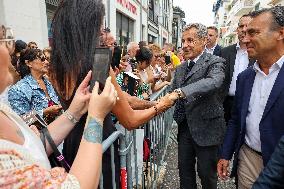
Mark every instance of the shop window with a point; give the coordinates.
(124, 29)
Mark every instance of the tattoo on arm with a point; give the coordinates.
(93, 131)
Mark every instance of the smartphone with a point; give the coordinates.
(117, 52)
(133, 64)
(101, 65)
(124, 51)
(168, 58)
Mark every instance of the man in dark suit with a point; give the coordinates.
(237, 60)
(272, 176)
(198, 112)
(212, 46)
(257, 117)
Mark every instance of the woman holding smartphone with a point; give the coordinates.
(76, 30)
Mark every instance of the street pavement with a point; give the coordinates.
(171, 178)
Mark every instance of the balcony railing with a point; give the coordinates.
(242, 7)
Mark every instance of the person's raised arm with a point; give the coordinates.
(61, 127)
(132, 119)
(87, 164)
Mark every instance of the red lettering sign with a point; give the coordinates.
(128, 5)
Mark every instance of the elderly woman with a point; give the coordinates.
(22, 155)
(34, 91)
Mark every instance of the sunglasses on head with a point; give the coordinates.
(42, 58)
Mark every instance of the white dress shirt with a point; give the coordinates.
(194, 60)
(261, 89)
(211, 50)
(241, 63)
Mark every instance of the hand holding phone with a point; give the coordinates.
(101, 66)
(168, 57)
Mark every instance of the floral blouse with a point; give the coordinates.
(26, 95)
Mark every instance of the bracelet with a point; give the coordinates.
(70, 117)
(156, 109)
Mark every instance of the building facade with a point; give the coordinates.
(177, 26)
(128, 20)
(160, 17)
(228, 13)
(28, 19)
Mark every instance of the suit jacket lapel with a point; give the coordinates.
(217, 50)
(232, 60)
(198, 64)
(248, 84)
(182, 72)
(275, 92)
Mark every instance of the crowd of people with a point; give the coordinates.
(228, 101)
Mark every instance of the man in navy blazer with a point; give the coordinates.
(272, 177)
(257, 121)
(212, 46)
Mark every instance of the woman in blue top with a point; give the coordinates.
(34, 91)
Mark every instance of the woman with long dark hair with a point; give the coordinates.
(23, 159)
(76, 30)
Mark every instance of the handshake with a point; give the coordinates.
(168, 100)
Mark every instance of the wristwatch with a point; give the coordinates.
(179, 92)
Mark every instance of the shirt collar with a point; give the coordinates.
(238, 46)
(213, 48)
(33, 83)
(195, 60)
(277, 65)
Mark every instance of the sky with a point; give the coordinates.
(197, 10)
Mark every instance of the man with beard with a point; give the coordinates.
(257, 119)
(198, 112)
(237, 60)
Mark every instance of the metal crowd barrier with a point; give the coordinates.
(134, 171)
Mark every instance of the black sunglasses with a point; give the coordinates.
(42, 58)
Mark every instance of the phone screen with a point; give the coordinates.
(167, 59)
(101, 65)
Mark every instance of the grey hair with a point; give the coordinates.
(201, 29)
(277, 13)
(130, 45)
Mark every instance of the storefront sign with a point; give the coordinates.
(128, 5)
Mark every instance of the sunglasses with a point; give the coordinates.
(42, 58)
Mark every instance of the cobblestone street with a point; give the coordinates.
(171, 179)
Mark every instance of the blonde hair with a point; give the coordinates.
(155, 48)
